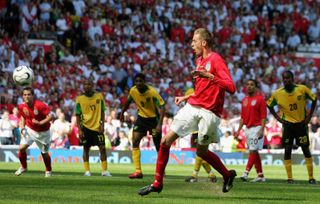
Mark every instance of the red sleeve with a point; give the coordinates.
(222, 76)
(45, 109)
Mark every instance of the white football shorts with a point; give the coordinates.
(42, 139)
(253, 141)
(193, 118)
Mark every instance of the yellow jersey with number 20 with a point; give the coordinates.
(292, 105)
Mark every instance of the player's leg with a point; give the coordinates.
(99, 140)
(288, 163)
(216, 163)
(303, 141)
(87, 141)
(208, 133)
(183, 124)
(258, 167)
(162, 160)
(251, 157)
(211, 176)
(196, 169)
(43, 143)
(47, 162)
(156, 137)
(103, 159)
(22, 155)
(26, 141)
(309, 163)
(255, 146)
(136, 154)
(287, 142)
(85, 157)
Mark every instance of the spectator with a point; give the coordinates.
(315, 141)
(74, 132)
(60, 129)
(6, 129)
(227, 142)
(273, 134)
(123, 141)
(14, 117)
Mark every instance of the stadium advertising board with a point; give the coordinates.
(147, 157)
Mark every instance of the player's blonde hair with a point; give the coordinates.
(205, 35)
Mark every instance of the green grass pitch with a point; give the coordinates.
(67, 185)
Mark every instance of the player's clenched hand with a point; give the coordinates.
(80, 134)
(179, 99)
(260, 133)
(202, 73)
(36, 121)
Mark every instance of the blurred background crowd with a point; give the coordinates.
(112, 40)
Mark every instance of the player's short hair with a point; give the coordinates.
(254, 81)
(288, 72)
(28, 88)
(141, 76)
(90, 79)
(205, 35)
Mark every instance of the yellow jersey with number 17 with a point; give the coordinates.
(90, 108)
(292, 105)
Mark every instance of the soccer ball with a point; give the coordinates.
(23, 75)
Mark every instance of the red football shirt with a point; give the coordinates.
(254, 109)
(209, 94)
(39, 111)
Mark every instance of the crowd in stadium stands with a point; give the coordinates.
(112, 40)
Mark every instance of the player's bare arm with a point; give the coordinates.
(203, 74)
(159, 126)
(273, 112)
(44, 121)
(125, 107)
(79, 127)
(180, 99)
(101, 127)
(236, 134)
(261, 131)
(309, 116)
(22, 124)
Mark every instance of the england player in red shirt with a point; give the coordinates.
(34, 126)
(253, 116)
(201, 113)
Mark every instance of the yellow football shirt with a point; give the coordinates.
(89, 108)
(292, 105)
(148, 103)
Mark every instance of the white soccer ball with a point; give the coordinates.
(23, 75)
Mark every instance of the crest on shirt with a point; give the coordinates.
(97, 101)
(208, 65)
(299, 97)
(245, 102)
(25, 111)
(35, 111)
(253, 102)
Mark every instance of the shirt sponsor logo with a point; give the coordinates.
(299, 97)
(208, 66)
